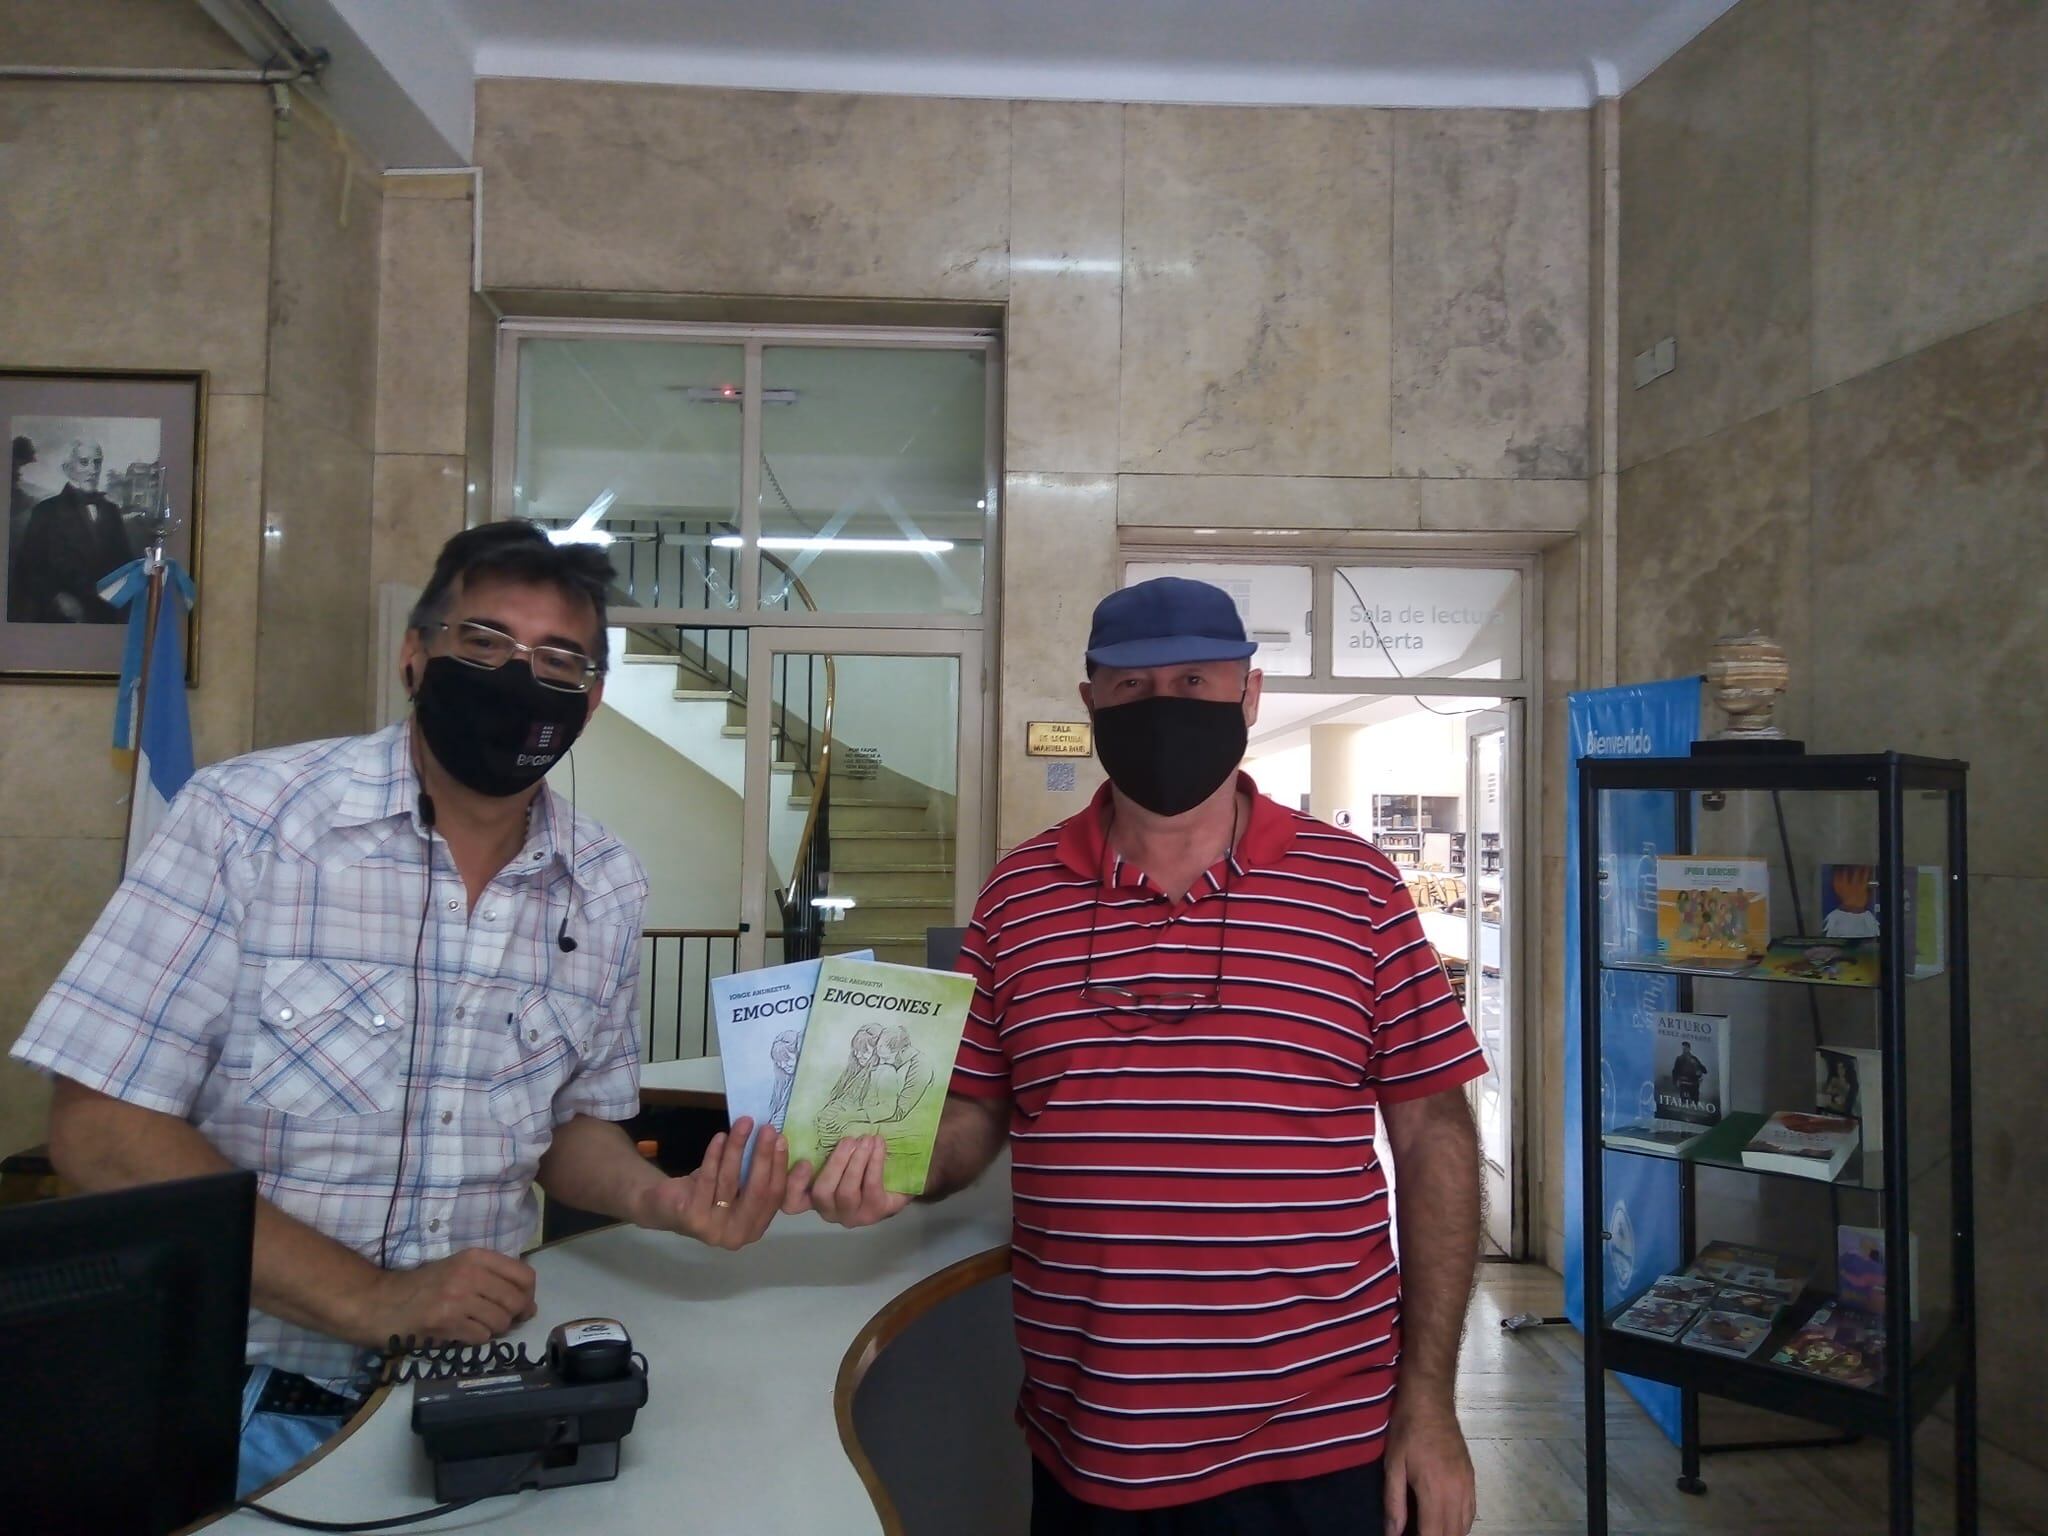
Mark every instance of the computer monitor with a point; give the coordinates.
(123, 1319)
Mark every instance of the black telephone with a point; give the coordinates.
(495, 1421)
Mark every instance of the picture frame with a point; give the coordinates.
(95, 455)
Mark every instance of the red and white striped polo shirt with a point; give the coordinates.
(1204, 1281)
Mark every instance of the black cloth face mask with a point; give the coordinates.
(499, 730)
(1169, 754)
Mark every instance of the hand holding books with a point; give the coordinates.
(848, 1190)
(713, 1205)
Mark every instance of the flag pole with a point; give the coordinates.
(153, 564)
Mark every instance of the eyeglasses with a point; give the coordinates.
(554, 666)
(1131, 1008)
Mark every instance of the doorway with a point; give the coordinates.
(1394, 705)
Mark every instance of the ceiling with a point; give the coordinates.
(1401, 53)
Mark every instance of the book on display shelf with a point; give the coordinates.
(1838, 1343)
(1821, 961)
(1852, 904)
(1860, 1270)
(1712, 910)
(1689, 1076)
(1650, 1316)
(1849, 1081)
(1797, 1141)
(1757, 1269)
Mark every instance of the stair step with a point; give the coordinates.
(911, 903)
(853, 851)
(889, 882)
(703, 696)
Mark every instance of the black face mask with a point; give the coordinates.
(1169, 754)
(496, 731)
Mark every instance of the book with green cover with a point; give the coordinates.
(878, 1053)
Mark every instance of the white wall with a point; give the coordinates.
(683, 823)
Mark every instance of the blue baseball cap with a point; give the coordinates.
(1167, 620)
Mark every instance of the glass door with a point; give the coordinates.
(863, 806)
(1491, 815)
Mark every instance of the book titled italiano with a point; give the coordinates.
(1689, 1084)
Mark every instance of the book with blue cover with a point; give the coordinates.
(761, 1017)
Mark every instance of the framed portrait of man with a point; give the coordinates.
(98, 459)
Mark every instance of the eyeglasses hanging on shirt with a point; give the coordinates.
(1132, 1008)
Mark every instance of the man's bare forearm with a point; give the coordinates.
(300, 1275)
(971, 1135)
(593, 1165)
(1436, 1173)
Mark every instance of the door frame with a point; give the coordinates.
(1528, 692)
(764, 644)
(1504, 721)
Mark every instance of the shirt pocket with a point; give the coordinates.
(546, 1049)
(329, 1039)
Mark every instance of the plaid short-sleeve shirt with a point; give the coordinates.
(255, 975)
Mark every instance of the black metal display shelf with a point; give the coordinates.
(1758, 1383)
(1938, 1359)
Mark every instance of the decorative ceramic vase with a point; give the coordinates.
(1747, 673)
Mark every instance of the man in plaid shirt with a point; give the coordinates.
(396, 976)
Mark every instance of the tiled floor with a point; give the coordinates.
(1520, 1397)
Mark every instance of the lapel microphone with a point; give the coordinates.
(563, 942)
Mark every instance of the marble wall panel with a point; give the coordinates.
(70, 879)
(480, 408)
(416, 506)
(423, 321)
(1713, 539)
(1715, 207)
(116, 34)
(231, 549)
(1059, 560)
(313, 627)
(1929, 546)
(137, 228)
(1066, 286)
(659, 190)
(1501, 506)
(1930, 164)
(2009, 1035)
(1491, 273)
(1256, 294)
(1267, 501)
(323, 279)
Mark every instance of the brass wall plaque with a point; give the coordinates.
(1059, 738)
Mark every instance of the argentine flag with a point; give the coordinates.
(162, 738)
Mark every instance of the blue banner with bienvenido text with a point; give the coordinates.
(1641, 1193)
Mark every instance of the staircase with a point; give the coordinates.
(887, 848)
(892, 856)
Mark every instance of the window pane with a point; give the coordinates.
(1275, 602)
(874, 479)
(1427, 621)
(864, 820)
(641, 440)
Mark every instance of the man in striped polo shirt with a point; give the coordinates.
(1193, 1008)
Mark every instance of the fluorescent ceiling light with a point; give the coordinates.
(849, 546)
